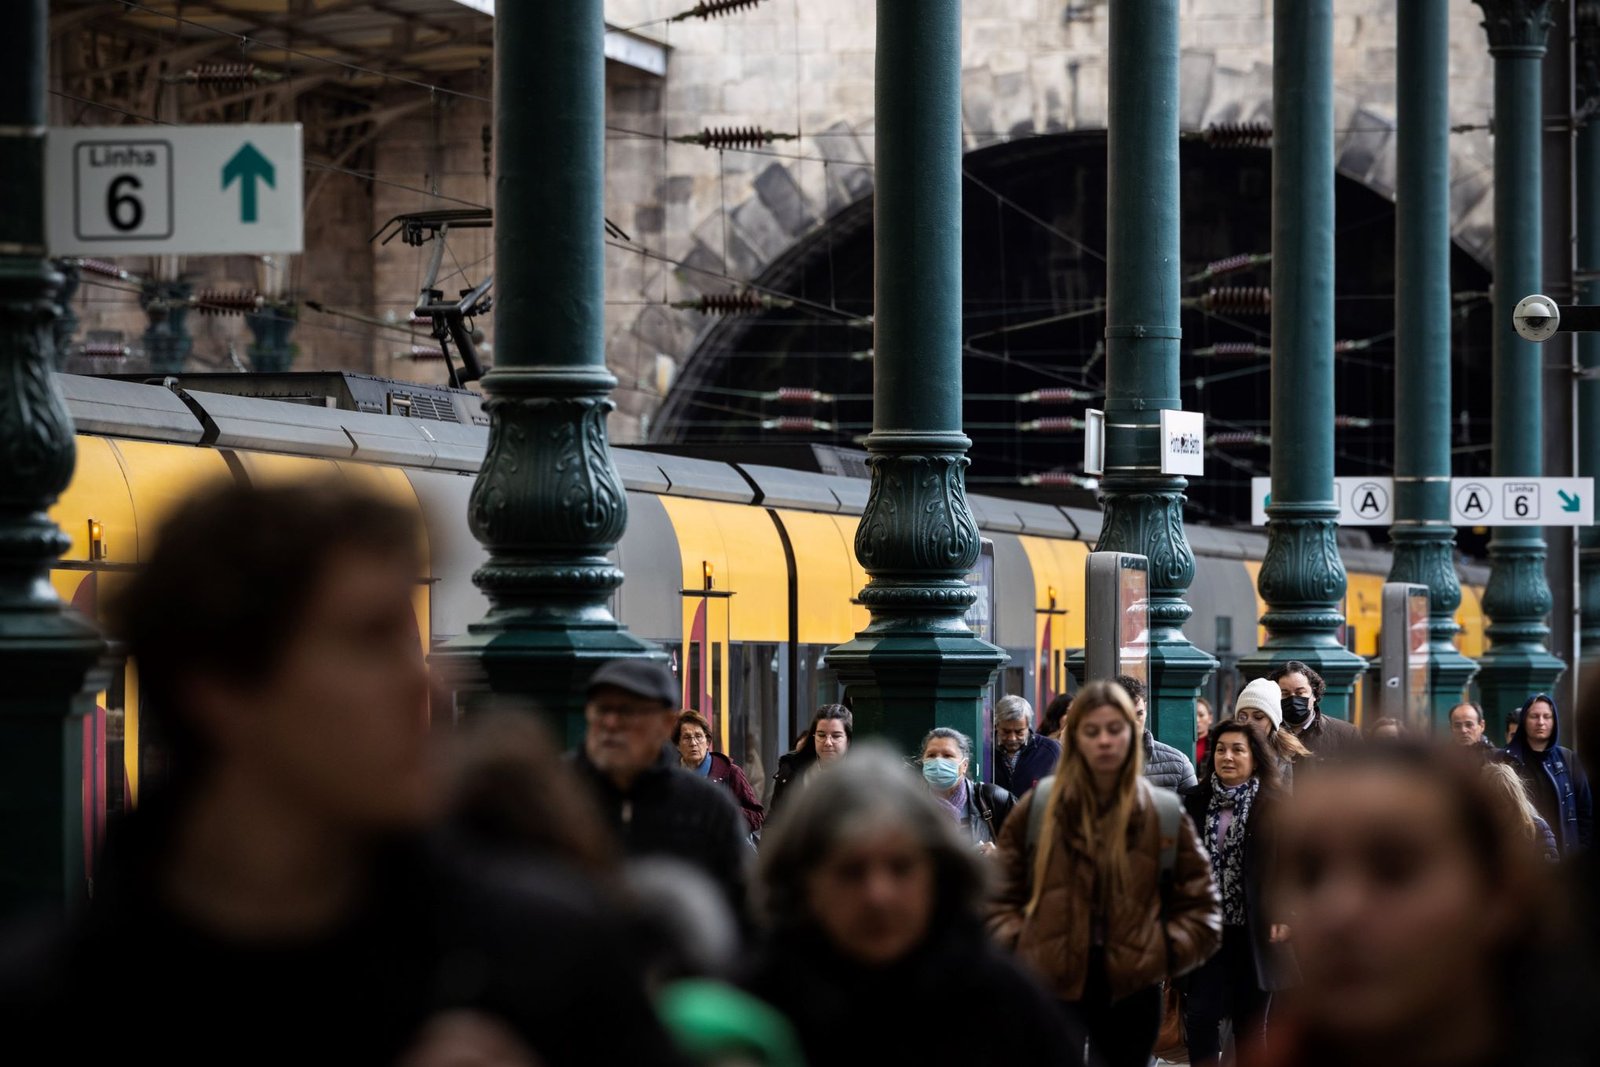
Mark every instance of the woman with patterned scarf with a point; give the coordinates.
(1233, 805)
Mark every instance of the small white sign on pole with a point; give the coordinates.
(157, 190)
(1094, 442)
(1183, 442)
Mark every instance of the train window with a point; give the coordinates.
(754, 738)
(694, 675)
(716, 678)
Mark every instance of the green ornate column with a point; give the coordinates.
(548, 503)
(271, 351)
(1302, 578)
(917, 664)
(47, 652)
(1424, 540)
(167, 343)
(1588, 232)
(1517, 599)
(1143, 507)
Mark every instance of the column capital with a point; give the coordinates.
(1516, 27)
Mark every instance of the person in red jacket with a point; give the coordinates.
(693, 738)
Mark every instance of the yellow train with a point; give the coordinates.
(744, 573)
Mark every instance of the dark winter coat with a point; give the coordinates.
(847, 1013)
(1166, 766)
(792, 767)
(1574, 822)
(673, 812)
(1326, 736)
(437, 932)
(1037, 760)
(1275, 967)
(987, 808)
(727, 774)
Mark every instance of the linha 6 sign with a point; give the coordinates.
(155, 190)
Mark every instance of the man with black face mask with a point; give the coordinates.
(1302, 690)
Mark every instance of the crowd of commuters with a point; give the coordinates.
(308, 884)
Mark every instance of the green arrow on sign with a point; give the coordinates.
(1568, 501)
(247, 167)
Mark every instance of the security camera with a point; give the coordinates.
(1536, 318)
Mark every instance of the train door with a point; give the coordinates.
(705, 650)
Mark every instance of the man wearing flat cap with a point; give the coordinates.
(656, 807)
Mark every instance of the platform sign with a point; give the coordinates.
(1403, 645)
(1183, 436)
(1363, 500)
(1117, 625)
(1094, 442)
(191, 190)
(1522, 501)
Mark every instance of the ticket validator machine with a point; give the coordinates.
(1405, 692)
(1117, 625)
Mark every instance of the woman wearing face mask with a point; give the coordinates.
(1083, 896)
(1422, 923)
(831, 729)
(1260, 705)
(872, 894)
(1233, 807)
(1556, 783)
(1300, 698)
(980, 809)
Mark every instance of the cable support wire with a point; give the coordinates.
(1229, 265)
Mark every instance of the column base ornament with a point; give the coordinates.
(549, 505)
(1425, 555)
(1517, 600)
(1145, 516)
(49, 654)
(917, 664)
(1302, 579)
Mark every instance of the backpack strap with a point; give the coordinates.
(1041, 800)
(980, 800)
(1169, 812)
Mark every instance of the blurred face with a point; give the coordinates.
(1394, 925)
(1233, 760)
(625, 732)
(1539, 724)
(1139, 708)
(1388, 730)
(1104, 738)
(1202, 718)
(873, 896)
(692, 745)
(944, 747)
(829, 739)
(1465, 729)
(1297, 685)
(1257, 720)
(340, 728)
(1012, 735)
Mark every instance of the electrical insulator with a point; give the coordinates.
(862, 356)
(104, 350)
(1352, 346)
(1057, 424)
(734, 137)
(1236, 135)
(710, 9)
(1233, 350)
(426, 352)
(102, 267)
(227, 301)
(1351, 422)
(1230, 264)
(796, 424)
(1058, 480)
(790, 394)
(1237, 437)
(224, 74)
(736, 303)
(1054, 395)
(1235, 300)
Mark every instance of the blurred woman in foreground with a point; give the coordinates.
(877, 953)
(1421, 921)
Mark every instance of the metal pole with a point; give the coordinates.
(917, 664)
(47, 653)
(1302, 578)
(1144, 508)
(1424, 539)
(1517, 598)
(548, 503)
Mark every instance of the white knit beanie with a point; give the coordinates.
(1265, 695)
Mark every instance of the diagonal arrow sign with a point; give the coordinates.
(1569, 502)
(247, 167)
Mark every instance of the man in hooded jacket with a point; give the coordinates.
(1551, 771)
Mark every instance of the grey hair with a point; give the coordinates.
(1013, 707)
(874, 786)
(962, 741)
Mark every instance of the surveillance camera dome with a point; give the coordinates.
(1536, 318)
